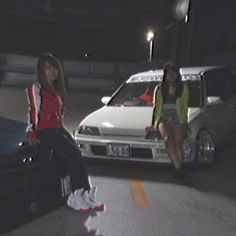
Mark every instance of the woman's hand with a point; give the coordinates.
(149, 128)
(33, 141)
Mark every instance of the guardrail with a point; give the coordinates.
(20, 70)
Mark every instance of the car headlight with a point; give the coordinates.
(87, 130)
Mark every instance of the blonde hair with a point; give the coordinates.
(58, 86)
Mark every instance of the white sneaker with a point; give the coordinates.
(94, 204)
(78, 201)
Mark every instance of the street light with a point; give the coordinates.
(181, 9)
(150, 38)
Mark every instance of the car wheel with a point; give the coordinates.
(205, 149)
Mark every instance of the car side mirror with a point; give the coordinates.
(105, 100)
(213, 100)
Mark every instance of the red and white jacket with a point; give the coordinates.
(45, 110)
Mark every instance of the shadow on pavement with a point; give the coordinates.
(220, 178)
(63, 221)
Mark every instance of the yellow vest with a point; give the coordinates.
(181, 105)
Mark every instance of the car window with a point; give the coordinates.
(230, 88)
(194, 82)
(141, 93)
(220, 83)
(135, 94)
(195, 93)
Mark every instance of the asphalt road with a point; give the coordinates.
(140, 200)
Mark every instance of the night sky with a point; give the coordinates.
(112, 30)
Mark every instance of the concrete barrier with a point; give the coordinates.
(21, 69)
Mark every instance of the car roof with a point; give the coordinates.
(159, 73)
(198, 70)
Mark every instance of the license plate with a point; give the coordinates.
(121, 150)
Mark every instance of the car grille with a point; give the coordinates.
(98, 150)
(144, 153)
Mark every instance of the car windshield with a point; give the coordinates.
(135, 94)
(141, 93)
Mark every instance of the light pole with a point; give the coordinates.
(150, 39)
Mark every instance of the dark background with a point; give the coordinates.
(115, 30)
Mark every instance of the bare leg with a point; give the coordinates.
(179, 131)
(166, 131)
(179, 136)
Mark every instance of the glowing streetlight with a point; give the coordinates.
(150, 38)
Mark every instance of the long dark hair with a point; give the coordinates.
(178, 84)
(59, 84)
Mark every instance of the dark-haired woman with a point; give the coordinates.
(45, 126)
(170, 112)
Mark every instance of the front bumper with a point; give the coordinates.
(140, 149)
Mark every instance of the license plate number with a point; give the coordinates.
(121, 150)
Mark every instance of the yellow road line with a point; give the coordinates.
(138, 192)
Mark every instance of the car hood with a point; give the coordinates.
(124, 120)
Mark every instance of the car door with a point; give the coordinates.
(219, 117)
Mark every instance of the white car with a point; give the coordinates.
(117, 130)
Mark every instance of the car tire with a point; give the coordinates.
(205, 155)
